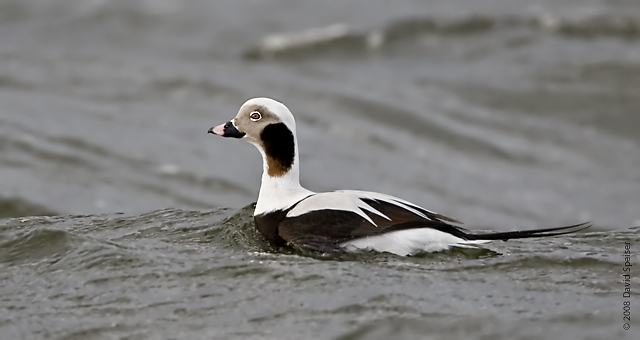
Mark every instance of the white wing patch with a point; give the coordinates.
(351, 200)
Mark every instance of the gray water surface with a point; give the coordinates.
(175, 274)
(503, 114)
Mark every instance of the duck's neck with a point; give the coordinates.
(280, 192)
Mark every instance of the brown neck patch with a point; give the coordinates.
(275, 168)
(279, 148)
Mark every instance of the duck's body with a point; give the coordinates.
(287, 213)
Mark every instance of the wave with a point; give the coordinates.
(170, 236)
(344, 38)
(90, 240)
(18, 207)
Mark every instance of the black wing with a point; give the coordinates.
(321, 229)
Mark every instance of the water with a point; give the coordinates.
(502, 114)
(175, 274)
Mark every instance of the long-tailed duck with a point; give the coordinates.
(287, 213)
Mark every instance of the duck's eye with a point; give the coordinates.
(255, 116)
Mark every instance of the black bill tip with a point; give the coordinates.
(226, 130)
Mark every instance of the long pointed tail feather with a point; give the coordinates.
(530, 233)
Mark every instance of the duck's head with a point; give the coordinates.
(270, 126)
